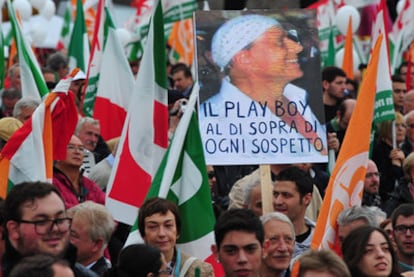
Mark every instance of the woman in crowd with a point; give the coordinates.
(388, 156)
(139, 260)
(368, 252)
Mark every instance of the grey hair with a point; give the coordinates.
(251, 182)
(101, 223)
(12, 70)
(25, 102)
(408, 116)
(357, 213)
(278, 217)
(83, 120)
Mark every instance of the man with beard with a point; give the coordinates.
(278, 246)
(36, 223)
(403, 225)
(371, 195)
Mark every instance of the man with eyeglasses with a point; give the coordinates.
(371, 195)
(402, 220)
(36, 223)
(279, 244)
(69, 180)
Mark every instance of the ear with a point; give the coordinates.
(149, 274)
(325, 85)
(98, 245)
(215, 251)
(241, 57)
(266, 245)
(13, 230)
(307, 199)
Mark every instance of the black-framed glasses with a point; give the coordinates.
(372, 174)
(402, 229)
(43, 227)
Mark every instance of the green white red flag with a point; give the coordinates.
(144, 136)
(79, 49)
(32, 81)
(116, 83)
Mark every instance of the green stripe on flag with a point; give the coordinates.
(160, 61)
(384, 106)
(77, 40)
(2, 59)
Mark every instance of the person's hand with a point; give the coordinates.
(397, 157)
(333, 142)
(178, 108)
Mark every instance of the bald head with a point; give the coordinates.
(408, 101)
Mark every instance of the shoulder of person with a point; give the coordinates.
(81, 271)
(206, 269)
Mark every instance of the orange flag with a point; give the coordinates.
(348, 61)
(181, 40)
(346, 183)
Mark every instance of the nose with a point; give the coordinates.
(161, 231)
(242, 257)
(293, 46)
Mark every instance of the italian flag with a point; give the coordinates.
(33, 84)
(30, 151)
(78, 51)
(182, 178)
(144, 136)
(116, 83)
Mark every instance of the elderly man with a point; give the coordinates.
(24, 108)
(278, 247)
(91, 230)
(260, 59)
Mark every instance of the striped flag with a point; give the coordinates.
(33, 84)
(29, 153)
(94, 65)
(144, 137)
(66, 28)
(116, 83)
(348, 61)
(384, 106)
(78, 51)
(346, 183)
(181, 41)
(182, 178)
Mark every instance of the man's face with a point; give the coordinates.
(344, 230)
(181, 83)
(15, 81)
(255, 203)
(240, 254)
(336, 88)
(9, 103)
(409, 101)
(281, 240)
(26, 113)
(398, 91)
(161, 231)
(274, 55)
(372, 179)
(287, 200)
(79, 236)
(404, 240)
(74, 152)
(24, 237)
(89, 135)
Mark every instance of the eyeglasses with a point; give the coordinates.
(211, 174)
(402, 229)
(72, 147)
(43, 227)
(372, 174)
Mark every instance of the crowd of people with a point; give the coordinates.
(62, 228)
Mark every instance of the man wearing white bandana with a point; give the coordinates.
(256, 100)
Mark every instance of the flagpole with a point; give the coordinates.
(177, 143)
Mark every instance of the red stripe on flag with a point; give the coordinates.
(160, 124)
(110, 116)
(132, 182)
(14, 142)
